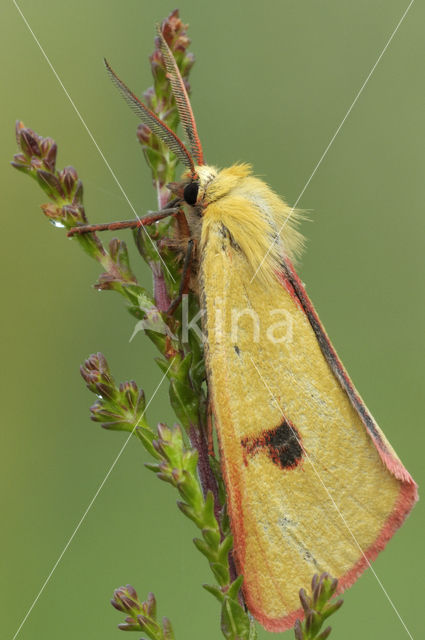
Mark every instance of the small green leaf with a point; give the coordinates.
(203, 547)
(235, 622)
(214, 591)
(212, 536)
(221, 572)
(235, 587)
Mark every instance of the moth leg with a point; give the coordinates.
(169, 210)
(181, 225)
(184, 282)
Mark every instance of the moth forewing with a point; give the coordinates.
(307, 490)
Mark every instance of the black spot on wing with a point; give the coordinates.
(282, 445)
(237, 350)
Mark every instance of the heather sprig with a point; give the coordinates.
(317, 608)
(37, 158)
(160, 100)
(122, 408)
(141, 616)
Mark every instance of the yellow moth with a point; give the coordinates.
(312, 483)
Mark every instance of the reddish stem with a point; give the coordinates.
(208, 481)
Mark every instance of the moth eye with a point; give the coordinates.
(190, 193)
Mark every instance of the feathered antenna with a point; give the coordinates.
(150, 119)
(184, 108)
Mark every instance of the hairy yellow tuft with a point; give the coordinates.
(260, 223)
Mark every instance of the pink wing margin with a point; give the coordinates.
(408, 490)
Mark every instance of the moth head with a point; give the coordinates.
(209, 184)
(194, 188)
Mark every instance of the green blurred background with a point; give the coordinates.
(271, 83)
